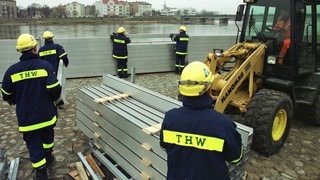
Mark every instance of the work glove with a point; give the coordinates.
(58, 102)
(171, 36)
(112, 34)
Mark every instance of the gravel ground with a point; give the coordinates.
(298, 159)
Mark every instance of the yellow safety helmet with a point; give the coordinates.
(183, 28)
(47, 35)
(121, 30)
(26, 42)
(196, 78)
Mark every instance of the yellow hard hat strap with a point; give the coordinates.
(190, 82)
(206, 87)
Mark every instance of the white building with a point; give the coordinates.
(141, 8)
(169, 11)
(188, 12)
(75, 9)
(112, 8)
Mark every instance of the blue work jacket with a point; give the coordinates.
(120, 41)
(182, 40)
(199, 141)
(52, 53)
(32, 86)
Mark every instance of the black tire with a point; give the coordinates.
(269, 113)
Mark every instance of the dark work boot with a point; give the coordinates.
(120, 74)
(41, 173)
(177, 71)
(125, 74)
(49, 158)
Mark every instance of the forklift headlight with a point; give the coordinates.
(271, 59)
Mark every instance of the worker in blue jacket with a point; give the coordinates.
(120, 51)
(32, 86)
(53, 52)
(181, 48)
(198, 140)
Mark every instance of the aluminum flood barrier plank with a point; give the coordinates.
(120, 119)
(90, 57)
(124, 156)
(113, 143)
(123, 120)
(123, 137)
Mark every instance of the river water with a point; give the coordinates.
(103, 30)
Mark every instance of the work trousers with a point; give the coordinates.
(40, 144)
(180, 63)
(122, 68)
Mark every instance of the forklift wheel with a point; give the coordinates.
(270, 114)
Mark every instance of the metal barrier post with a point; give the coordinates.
(133, 74)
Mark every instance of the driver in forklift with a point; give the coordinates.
(283, 25)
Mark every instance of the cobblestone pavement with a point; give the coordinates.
(298, 159)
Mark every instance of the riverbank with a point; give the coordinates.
(102, 20)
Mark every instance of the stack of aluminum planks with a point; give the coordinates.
(123, 120)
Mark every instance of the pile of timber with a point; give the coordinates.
(122, 121)
(87, 168)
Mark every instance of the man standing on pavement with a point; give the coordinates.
(32, 86)
(53, 52)
(120, 51)
(181, 48)
(198, 140)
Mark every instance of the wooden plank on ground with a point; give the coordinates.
(82, 172)
(74, 174)
(94, 166)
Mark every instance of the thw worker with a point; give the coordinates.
(120, 51)
(198, 140)
(53, 52)
(182, 40)
(31, 85)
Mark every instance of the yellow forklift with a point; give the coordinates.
(272, 73)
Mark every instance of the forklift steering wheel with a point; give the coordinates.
(270, 28)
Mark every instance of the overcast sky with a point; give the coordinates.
(222, 6)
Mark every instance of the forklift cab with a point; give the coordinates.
(290, 29)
